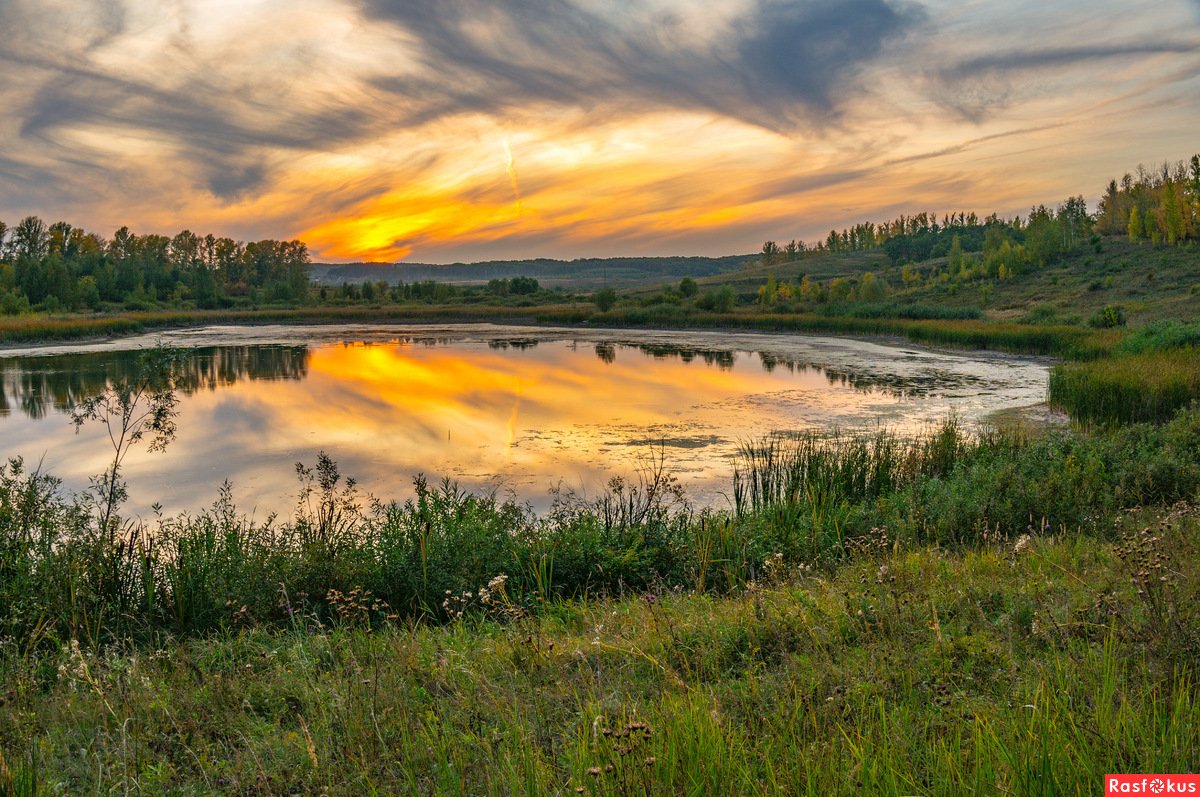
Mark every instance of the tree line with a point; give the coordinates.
(1161, 206)
(59, 266)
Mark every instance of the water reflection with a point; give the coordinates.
(35, 385)
(521, 408)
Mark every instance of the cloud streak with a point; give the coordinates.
(1030, 60)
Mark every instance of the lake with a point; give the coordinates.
(511, 408)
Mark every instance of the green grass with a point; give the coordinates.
(1066, 341)
(810, 499)
(817, 496)
(51, 327)
(1023, 666)
(1161, 336)
(919, 312)
(1151, 282)
(1128, 389)
(957, 328)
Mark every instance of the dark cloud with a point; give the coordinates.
(1023, 60)
(977, 87)
(784, 64)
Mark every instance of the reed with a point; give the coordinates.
(1149, 386)
(66, 573)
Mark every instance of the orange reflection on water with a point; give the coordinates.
(444, 409)
(528, 411)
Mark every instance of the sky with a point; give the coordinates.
(458, 130)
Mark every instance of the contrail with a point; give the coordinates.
(512, 176)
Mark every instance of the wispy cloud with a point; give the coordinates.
(779, 64)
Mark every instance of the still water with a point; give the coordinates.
(511, 408)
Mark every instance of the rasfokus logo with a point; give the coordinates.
(1151, 784)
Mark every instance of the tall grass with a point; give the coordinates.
(1065, 341)
(1161, 336)
(922, 312)
(816, 468)
(1150, 386)
(814, 497)
(809, 499)
(1030, 668)
(52, 327)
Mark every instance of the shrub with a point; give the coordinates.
(1109, 317)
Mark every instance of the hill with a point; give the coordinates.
(1148, 282)
(575, 274)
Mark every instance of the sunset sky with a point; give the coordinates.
(445, 130)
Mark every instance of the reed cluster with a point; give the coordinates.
(64, 574)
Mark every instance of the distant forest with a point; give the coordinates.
(1160, 206)
(615, 269)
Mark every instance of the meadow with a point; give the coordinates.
(970, 611)
(1028, 664)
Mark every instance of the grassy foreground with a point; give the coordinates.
(985, 613)
(1024, 666)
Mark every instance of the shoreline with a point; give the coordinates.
(895, 332)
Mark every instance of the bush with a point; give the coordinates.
(604, 299)
(1110, 317)
(721, 300)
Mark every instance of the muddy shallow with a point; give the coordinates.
(517, 408)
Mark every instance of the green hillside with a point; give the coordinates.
(1149, 282)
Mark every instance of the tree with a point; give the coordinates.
(130, 410)
(523, 286)
(88, 292)
(185, 250)
(768, 293)
(954, 260)
(1172, 215)
(1193, 185)
(1134, 228)
(1044, 237)
(688, 287)
(31, 239)
(604, 299)
(770, 253)
(724, 299)
(1074, 222)
(872, 289)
